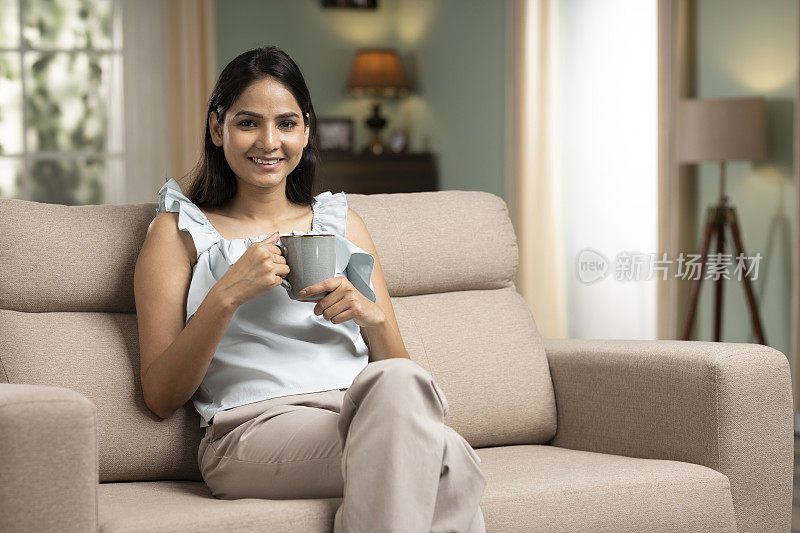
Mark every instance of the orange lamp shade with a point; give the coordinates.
(377, 73)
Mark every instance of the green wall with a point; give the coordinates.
(454, 53)
(747, 48)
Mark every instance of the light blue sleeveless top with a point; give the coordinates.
(274, 346)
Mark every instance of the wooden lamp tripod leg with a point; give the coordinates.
(710, 227)
(748, 289)
(720, 224)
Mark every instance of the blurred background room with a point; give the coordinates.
(623, 135)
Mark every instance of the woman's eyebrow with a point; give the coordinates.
(256, 115)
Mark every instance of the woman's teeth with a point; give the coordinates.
(265, 161)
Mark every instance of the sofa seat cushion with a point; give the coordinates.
(546, 488)
(529, 488)
(173, 506)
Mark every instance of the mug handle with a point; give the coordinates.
(287, 285)
(284, 283)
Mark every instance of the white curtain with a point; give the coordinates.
(676, 189)
(169, 68)
(794, 356)
(533, 187)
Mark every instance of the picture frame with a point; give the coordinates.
(352, 4)
(335, 134)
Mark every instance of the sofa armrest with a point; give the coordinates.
(727, 406)
(48, 459)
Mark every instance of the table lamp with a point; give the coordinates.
(722, 130)
(377, 73)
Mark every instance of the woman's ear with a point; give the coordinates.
(215, 128)
(308, 129)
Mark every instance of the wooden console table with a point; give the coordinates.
(371, 174)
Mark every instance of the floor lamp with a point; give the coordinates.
(722, 130)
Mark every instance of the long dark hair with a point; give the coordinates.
(213, 181)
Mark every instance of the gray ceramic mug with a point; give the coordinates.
(311, 259)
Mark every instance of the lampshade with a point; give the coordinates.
(377, 73)
(722, 129)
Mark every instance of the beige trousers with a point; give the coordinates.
(381, 445)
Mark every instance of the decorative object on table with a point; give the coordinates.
(398, 141)
(335, 134)
(722, 130)
(357, 4)
(377, 73)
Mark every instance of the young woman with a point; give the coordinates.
(300, 399)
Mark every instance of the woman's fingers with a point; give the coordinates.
(343, 317)
(334, 309)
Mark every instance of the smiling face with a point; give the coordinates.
(263, 133)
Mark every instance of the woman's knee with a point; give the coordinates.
(397, 366)
(398, 376)
(396, 370)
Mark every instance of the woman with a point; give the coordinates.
(277, 382)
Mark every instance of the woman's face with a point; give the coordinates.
(263, 134)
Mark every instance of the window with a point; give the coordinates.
(61, 131)
(608, 153)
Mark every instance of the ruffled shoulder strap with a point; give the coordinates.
(330, 213)
(190, 218)
(330, 216)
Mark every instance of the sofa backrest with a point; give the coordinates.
(68, 318)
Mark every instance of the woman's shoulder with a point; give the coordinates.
(164, 233)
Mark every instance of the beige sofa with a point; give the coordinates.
(574, 435)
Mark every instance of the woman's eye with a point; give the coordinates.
(284, 124)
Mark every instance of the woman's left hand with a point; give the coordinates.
(344, 302)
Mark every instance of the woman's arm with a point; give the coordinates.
(174, 356)
(384, 340)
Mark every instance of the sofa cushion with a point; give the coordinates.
(441, 241)
(529, 488)
(485, 353)
(70, 258)
(174, 506)
(550, 489)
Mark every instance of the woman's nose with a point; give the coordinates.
(268, 139)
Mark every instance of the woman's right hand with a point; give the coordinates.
(260, 268)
